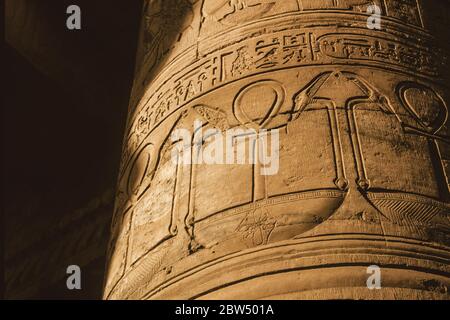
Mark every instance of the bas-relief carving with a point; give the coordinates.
(300, 48)
(353, 147)
(168, 28)
(164, 22)
(172, 26)
(173, 23)
(233, 12)
(336, 4)
(369, 146)
(164, 39)
(282, 50)
(256, 227)
(405, 10)
(236, 11)
(221, 14)
(339, 110)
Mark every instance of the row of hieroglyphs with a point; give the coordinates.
(279, 51)
(172, 26)
(167, 21)
(235, 12)
(422, 113)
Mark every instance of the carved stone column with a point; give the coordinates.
(363, 160)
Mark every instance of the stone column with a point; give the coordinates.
(363, 153)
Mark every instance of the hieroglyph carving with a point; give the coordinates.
(283, 50)
(363, 154)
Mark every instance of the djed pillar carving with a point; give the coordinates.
(363, 171)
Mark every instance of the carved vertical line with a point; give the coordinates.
(363, 181)
(341, 180)
(358, 145)
(129, 241)
(419, 10)
(385, 10)
(259, 180)
(438, 167)
(174, 208)
(311, 47)
(190, 214)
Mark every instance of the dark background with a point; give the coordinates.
(66, 100)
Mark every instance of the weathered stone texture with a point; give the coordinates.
(364, 153)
